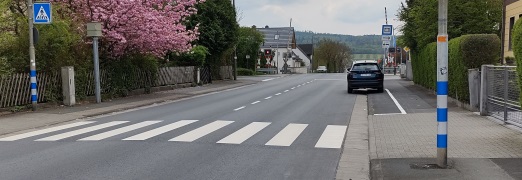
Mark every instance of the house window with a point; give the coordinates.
(511, 24)
(520, 15)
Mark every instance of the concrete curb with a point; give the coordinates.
(355, 158)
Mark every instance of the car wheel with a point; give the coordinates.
(350, 90)
(380, 90)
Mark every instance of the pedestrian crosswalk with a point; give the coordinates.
(283, 136)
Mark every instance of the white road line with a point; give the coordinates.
(292, 88)
(81, 131)
(44, 131)
(287, 136)
(298, 85)
(268, 97)
(278, 94)
(242, 107)
(396, 102)
(244, 133)
(287, 90)
(268, 79)
(160, 130)
(202, 131)
(388, 114)
(256, 102)
(118, 131)
(332, 137)
(329, 79)
(307, 82)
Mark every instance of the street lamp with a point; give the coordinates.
(276, 37)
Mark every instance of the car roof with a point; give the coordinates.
(364, 61)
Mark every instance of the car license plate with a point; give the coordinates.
(366, 75)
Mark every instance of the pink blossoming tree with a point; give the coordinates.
(138, 26)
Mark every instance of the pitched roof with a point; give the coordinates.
(285, 36)
(307, 48)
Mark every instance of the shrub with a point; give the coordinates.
(130, 73)
(245, 72)
(465, 52)
(517, 48)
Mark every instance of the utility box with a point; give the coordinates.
(68, 88)
(94, 29)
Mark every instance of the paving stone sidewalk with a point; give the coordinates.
(469, 136)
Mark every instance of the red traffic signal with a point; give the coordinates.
(268, 52)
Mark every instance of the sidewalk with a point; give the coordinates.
(56, 115)
(478, 147)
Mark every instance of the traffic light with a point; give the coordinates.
(268, 52)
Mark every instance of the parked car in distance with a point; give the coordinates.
(321, 69)
(365, 74)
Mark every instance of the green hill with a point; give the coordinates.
(366, 44)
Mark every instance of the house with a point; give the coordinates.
(511, 13)
(285, 53)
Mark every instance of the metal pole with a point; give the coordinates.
(32, 58)
(277, 57)
(442, 86)
(235, 64)
(96, 70)
(506, 74)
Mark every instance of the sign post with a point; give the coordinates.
(387, 32)
(40, 14)
(442, 86)
(94, 30)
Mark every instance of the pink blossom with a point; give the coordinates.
(145, 26)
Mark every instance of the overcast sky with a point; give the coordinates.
(353, 17)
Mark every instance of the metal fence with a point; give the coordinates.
(503, 93)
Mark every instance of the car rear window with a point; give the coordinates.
(365, 67)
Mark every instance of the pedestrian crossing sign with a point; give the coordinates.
(42, 13)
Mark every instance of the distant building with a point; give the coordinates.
(512, 12)
(284, 48)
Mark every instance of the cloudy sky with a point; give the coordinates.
(354, 17)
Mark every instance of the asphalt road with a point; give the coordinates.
(400, 94)
(281, 128)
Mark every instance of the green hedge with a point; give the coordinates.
(517, 42)
(465, 52)
(245, 72)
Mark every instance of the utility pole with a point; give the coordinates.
(235, 49)
(32, 58)
(442, 86)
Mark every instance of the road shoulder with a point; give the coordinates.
(355, 158)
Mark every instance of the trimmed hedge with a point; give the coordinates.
(465, 52)
(517, 49)
(245, 72)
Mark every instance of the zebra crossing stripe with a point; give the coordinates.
(332, 137)
(81, 131)
(44, 131)
(244, 133)
(119, 131)
(160, 130)
(287, 136)
(202, 131)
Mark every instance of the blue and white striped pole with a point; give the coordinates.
(32, 62)
(442, 86)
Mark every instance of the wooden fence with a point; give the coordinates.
(175, 75)
(15, 89)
